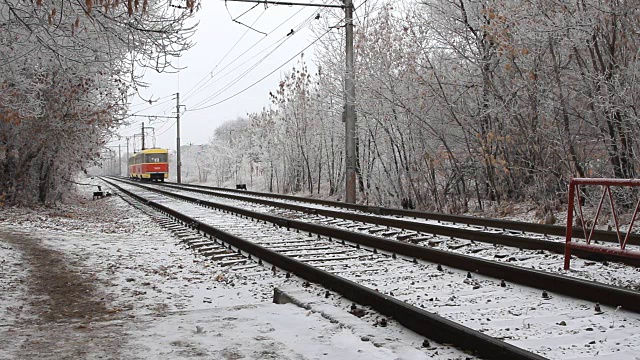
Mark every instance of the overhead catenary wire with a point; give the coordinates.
(164, 123)
(212, 76)
(167, 121)
(200, 84)
(277, 44)
(167, 129)
(239, 77)
(152, 106)
(169, 97)
(151, 117)
(246, 72)
(249, 27)
(339, 24)
(210, 73)
(264, 77)
(150, 102)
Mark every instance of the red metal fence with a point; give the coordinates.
(589, 227)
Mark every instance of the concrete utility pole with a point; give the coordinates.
(142, 135)
(350, 109)
(178, 164)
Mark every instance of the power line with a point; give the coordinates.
(167, 129)
(277, 43)
(239, 56)
(249, 27)
(152, 106)
(246, 72)
(239, 77)
(165, 122)
(264, 77)
(150, 102)
(221, 60)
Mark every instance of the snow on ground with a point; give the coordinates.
(102, 280)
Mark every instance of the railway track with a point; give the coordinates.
(440, 218)
(470, 263)
(393, 278)
(510, 248)
(513, 234)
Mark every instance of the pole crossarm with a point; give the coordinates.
(287, 3)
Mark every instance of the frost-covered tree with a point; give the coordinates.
(66, 71)
(464, 103)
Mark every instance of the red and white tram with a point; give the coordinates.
(149, 164)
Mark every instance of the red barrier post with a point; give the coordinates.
(589, 233)
(567, 247)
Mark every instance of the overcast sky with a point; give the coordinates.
(222, 77)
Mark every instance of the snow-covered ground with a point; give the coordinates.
(561, 328)
(100, 279)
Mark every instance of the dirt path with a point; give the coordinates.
(62, 315)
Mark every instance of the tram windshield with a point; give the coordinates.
(156, 158)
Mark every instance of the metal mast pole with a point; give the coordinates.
(128, 156)
(142, 135)
(350, 110)
(178, 164)
(112, 162)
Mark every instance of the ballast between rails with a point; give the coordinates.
(492, 238)
(422, 322)
(573, 287)
(600, 235)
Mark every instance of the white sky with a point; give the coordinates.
(215, 37)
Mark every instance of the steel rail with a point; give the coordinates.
(600, 235)
(573, 287)
(502, 239)
(422, 322)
